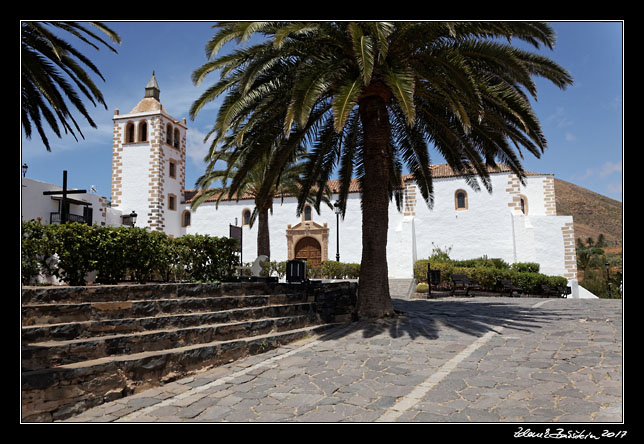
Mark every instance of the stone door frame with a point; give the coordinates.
(308, 229)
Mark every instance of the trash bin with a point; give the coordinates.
(433, 278)
(295, 270)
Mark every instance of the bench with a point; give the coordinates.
(462, 282)
(509, 287)
(557, 291)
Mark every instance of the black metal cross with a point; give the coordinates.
(64, 203)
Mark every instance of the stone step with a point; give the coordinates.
(58, 393)
(55, 313)
(105, 293)
(401, 288)
(82, 346)
(85, 329)
(40, 355)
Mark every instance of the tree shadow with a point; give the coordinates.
(429, 318)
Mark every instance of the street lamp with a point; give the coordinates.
(337, 210)
(130, 219)
(608, 279)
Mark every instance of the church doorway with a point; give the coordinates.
(310, 250)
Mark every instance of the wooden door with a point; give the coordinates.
(310, 250)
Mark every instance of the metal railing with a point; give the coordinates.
(54, 218)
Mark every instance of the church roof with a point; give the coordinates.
(439, 171)
(443, 170)
(152, 83)
(150, 101)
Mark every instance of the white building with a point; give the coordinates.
(516, 223)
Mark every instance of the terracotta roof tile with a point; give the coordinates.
(439, 171)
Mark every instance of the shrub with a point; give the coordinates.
(110, 254)
(422, 288)
(116, 252)
(207, 258)
(36, 251)
(530, 267)
(488, 273)
(339, 270)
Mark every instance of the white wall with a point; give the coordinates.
(488, 227)
(485, 228)
(134, 183)
(206, 219)
(36, 205)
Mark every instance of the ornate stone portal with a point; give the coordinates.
(308, 240)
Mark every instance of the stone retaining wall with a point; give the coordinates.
(64, 327)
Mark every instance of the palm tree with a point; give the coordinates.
(287, 185)
(47, 64)
(372, 97)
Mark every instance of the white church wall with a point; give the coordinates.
(350, 230)
(134, 185)
(488, 227)
(206, 219)
(549, 248)
(172, 185)
(484, 228)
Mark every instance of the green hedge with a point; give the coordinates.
(488, 276)
(120, 253)
(325, 270)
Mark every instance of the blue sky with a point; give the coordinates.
(583, 124)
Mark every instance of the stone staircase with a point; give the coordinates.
(82, 346)
(402, 288)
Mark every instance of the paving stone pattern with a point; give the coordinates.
(444, 360)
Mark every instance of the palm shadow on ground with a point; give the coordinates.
(427, 318)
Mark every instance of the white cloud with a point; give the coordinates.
(196, 149)
(609, 168)
(605, 170)
(570, 137)
(615, 188)
(560, 119)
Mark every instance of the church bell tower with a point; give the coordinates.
(148, 163)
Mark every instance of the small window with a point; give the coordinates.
(460, 200)
(143, 132)
(168, 134)
(246, 217)
(524, 204)
(307, 212)
(173, 169)
(129, 133)
(176, 138)
(185, 219)
(172, 202)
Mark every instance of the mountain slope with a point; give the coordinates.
(593, 214)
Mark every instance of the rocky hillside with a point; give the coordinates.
(592, 213)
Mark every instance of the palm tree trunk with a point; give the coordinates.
(263, 237)
(373, 291)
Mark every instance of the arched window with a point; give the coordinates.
(168, 134)
(307, 213)
(460, 200)
(176, 138)
(246, 217)
(129, 133)
(185, 218)
(143, 131)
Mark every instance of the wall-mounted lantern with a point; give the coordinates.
(130, 219)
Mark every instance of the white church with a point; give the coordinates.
(516, 223)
